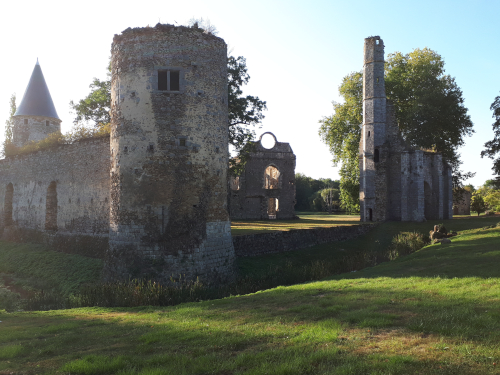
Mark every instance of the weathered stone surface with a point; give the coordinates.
(169, 154)
(266, 188)
(58, 196)
(397, 182)
(277, 242)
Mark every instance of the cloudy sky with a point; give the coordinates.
(297, 53)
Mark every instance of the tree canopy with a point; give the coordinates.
(492, 148)
(429, 111)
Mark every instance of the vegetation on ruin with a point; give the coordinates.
(434, 311)
(78, 133)
(429, 108)
(492, 148)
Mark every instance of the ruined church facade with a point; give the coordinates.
(266, 187)
(397, 182)
(150, 199)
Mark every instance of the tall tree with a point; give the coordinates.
(342, 132)
(245, 112)
(492, 148)
(429, 110)
(9, 124)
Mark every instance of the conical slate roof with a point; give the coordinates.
(37, 100)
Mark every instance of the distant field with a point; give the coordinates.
(436, 311)
(305, 221)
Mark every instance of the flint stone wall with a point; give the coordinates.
(278, 242)
(81, 175)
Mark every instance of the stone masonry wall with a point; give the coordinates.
(33, 128)
(277, 242)
(69, 183)
(251, 198)
(169, 155)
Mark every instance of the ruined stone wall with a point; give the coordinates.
(169, 152)
(33, 128)
(249, 199)
(277, 242)
(461, 203)
(59, 196)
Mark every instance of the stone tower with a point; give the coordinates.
(169, 155)
(397, 182)
(36, 116)
(373, 188)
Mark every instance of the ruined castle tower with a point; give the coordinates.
(397, 182)
(169, 155)
(373, 188)
(36, 116)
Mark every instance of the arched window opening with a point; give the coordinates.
(272, 208)
(9, 197)
(370, 214)
(271, 178)
(51, 207)
(376, 156)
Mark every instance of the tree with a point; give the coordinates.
(477, 204)
(429, 110)
(9, 124)
(342, 132)
(244, 111)
(493, 146)
(95, 107)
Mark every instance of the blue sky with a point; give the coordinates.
(297, 53)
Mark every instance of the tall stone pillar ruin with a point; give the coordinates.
(169, 155)
(372, 186)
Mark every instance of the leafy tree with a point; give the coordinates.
(342, 132)
(9, 124)
(308, 192)
(244, 111)
(493, 146)
(95, 107)
(477, 204)
(429, 110)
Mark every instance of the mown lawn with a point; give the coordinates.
(304, 221)
(436, 311)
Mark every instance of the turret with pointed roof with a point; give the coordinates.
(36, 117)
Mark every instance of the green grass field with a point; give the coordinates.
(305, 220)
(436, 311)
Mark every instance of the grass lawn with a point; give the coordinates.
(306, 220)
(436, 311)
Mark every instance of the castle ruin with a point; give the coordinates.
(397, 182)
(152, 198)
(266, 188)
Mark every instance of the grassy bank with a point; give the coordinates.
(436, 311)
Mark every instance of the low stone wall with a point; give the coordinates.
(277, 242)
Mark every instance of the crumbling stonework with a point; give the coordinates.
(59, 196)
(169, 154)
(266, 188)
(397, 182)
(461, 202)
